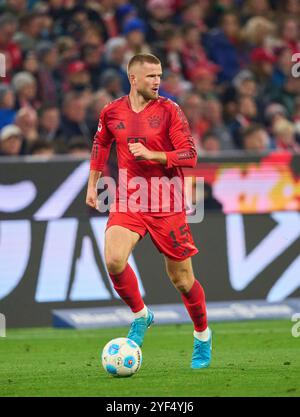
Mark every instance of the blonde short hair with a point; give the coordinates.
(142, 58)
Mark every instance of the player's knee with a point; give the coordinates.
(183, 286)
(115, 264)
(180, 279)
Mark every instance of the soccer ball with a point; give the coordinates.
(121, 357)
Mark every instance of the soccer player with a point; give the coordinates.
(153, 139)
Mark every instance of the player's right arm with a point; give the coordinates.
(99, 155)
(91, 195)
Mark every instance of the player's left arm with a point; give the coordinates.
(184, 153)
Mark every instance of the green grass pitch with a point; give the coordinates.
(250, 358)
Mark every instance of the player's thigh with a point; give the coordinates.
(119, 243)
(172, 236)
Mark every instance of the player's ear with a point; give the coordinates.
(132, 78)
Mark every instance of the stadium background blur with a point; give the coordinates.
(229, 64)
(226, 62)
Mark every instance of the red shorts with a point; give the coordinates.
(170, 234)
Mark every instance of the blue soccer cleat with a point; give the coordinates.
(139, 327)
(202, 353)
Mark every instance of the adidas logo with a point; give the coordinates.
(120, 126)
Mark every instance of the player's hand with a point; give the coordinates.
(91, 197)
(138, 150)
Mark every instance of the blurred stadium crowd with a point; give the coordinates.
(228, 63)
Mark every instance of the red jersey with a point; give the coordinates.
(162, 127)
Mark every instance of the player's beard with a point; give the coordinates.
(148, 95)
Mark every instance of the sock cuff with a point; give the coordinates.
(202, 335)
(141, 313)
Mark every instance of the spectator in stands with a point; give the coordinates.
(7, 105)
(77, 77)
(289, 34)
(173, 85)
(92, 55)
(79, 148)
(48, 79)
(193, 107)
(134, 31)
(282, 68)
(111, 82)
(204, 81)
(67, 51)
(92, 35)
(259, 32)
(106, 18)
(73, 122)
(207, 49)
(262, 66)
(114, 58)
(10, 140)
(160, 17)
(254, 8)
(224, 47)
(229, 99)
(49, 122)
(25, 87)
(213, 115)
(290, 8)
(246, 115)
(98, 101)
(193, 13)
(274, 112)
(169, 50)
(56, 10)
(47, 21)
(27, 121)
(123, 13)
(285, 138)
(288, 94)
(194, 55)
(30, 30)
(213, 15)
(211, 144)
(31, 63)
(15, 7)
(255, 138)
(245, 83)
(42, 148)
(8, 47)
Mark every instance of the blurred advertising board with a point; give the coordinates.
(251, 185)
(51, 249)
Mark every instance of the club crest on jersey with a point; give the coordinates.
(154, 121)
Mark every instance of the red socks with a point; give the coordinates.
(194, 302)
(126, 285)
